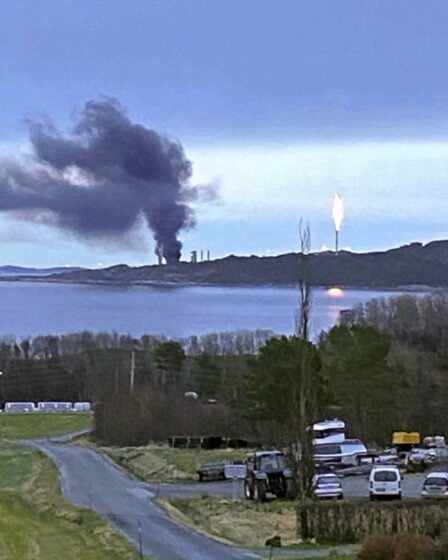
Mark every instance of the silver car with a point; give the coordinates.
(327, 486)
(435, 485)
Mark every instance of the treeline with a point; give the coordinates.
(383, 368)
(88, 367)
(52, 346)
(418, 330)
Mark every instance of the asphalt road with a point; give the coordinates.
(90, 480)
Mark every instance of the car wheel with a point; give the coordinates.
(372, 497)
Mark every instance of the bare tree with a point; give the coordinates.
(307, 401)
(303, 314)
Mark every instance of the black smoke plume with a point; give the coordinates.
(99, 181)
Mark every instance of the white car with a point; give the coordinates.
(385, 482)
(435, 485)
(327, 486)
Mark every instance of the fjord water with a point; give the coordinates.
(31, 308)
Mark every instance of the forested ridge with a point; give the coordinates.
(414, 264)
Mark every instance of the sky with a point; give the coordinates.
(279, 103)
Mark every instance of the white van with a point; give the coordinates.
(385, 482)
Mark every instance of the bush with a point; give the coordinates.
(378, 547)
(404, 546)
(442, 549)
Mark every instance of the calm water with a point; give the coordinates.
(28, 308)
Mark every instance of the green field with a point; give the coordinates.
(36, 523)
(39, 425)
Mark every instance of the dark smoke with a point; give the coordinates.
(99, 181)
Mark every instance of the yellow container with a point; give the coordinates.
(405, 438)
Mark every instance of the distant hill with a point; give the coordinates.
(11, 270)
(411, 265)
(415, 264)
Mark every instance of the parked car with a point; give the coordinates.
(435, 485)
(211, 471)
(327, 486)
(267, 473)
(421, 458)
(385, 482)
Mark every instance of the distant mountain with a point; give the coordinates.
(10, 270)
(410, 265)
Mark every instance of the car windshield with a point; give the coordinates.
(324, 480)
(436, 481)
(385, 476)
(272, 462)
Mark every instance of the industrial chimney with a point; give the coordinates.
(159, 253)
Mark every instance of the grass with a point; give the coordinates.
(36, 523)
(38, 425)
(243, 523)
(162, 463)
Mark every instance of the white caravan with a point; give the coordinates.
(20, 407)
(54, 407)
(329, 431)
(344, 454)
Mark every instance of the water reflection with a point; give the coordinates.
(335, 292)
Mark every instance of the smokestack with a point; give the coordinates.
(208, 255)
(338, 217)
(194, 256)
(159, 253)
(103, 179)
(202, 255)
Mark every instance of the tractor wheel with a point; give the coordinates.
(248, 491)
(260, 490)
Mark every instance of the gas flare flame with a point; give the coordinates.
(338, 211)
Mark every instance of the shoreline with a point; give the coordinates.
(411, 288)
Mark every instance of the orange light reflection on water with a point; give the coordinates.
(335, 292)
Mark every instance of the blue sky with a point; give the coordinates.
(281, 103)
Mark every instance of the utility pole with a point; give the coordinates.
(132, 371)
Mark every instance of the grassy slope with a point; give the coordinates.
(239, 522)
(161, 463)
(36, 523)
(247, 524)
(27, 426)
